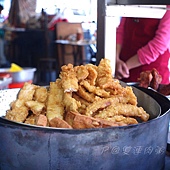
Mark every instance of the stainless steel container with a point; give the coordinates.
(24, 75)
(134, 147)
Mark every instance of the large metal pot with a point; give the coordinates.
(134, 147)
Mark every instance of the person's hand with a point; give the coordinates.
(122, 70)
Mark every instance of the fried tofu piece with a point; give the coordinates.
(17, 103)
(40, 94)
(59, 123)
(27, 92)
(35, 106)
(18, 114)
(78, 121)
(31, 119)
(70, 103)
(55, 107)
(41, 120)
(19, 111)
(56, 110)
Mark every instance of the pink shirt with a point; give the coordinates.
(158, 45)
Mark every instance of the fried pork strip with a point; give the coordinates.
(68, 78)
(92, 69)
(127, 110)
(104, 74)
(122, 119)
(96, 90)
(81, 72)
(82, 92)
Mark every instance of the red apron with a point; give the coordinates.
(138, 31)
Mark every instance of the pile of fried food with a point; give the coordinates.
(84, 96)
(152, 78)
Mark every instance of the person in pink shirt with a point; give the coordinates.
(141, 45)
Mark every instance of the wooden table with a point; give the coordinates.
(77, 50)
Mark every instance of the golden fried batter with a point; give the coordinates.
(35, 106)
(81, 72)
(40, 94)
(96, 90)
(85, 96)
(127, 110)
(92, 74)
(90, 97)
(27, 92)
(78, 121)
(18, 114)
(19, 111)
(55, 107)
(104, 74)
(70, 103)
(69, 78)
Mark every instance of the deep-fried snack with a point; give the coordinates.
(27, 91)
(156, 80)
(35, 106)
(150, 78)
(127, 110)
(40, 94)
(80, 99)
(145, 79)
(96, 90)
(59, 123)
(78, 121)
(85, 96)
(55, 110)
(70, 103)
(18, 111)
(18, 114)
(91, 78)
(41, 120)
(55, 107)
(30, 119)
(98, 105)
(104, 74)
(122, 119)
(90, 97)
(17, 103)
(127, 95)
(69, 78)
(81, 72)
